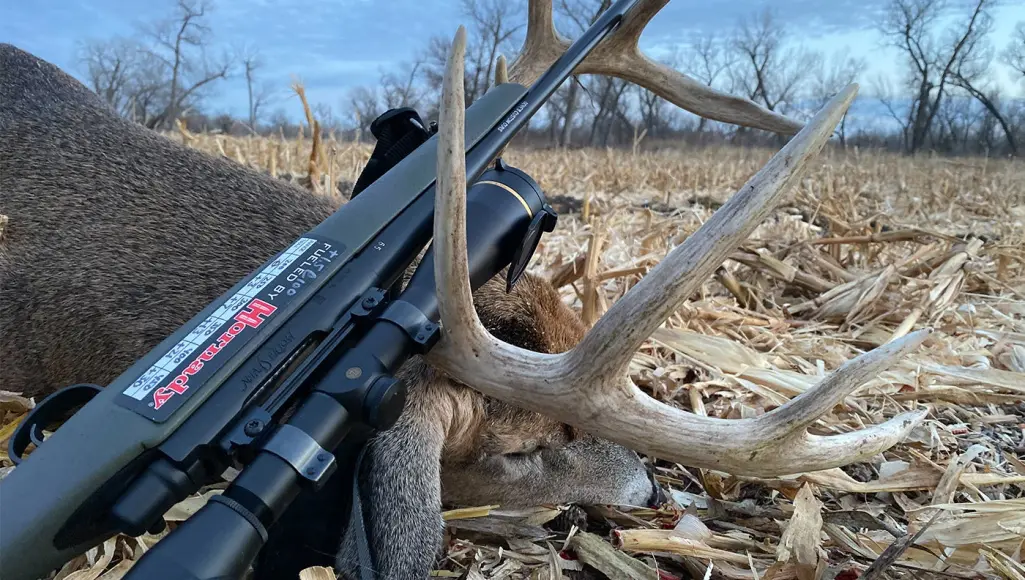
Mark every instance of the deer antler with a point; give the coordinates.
(619, 56)
(589, 387)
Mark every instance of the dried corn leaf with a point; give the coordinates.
(97, 567)
(951, 479)
(15, 403)
(729, 356)
(668, 541)
(1007, 380)
(317, 573)
(598, 554)
(184, 509)
(893, 552)
(992, 506)
(1003, 564)
(470, 512)
(911, 479)
(7, 430)
(802, 536)
(118, 571)
(966, 529)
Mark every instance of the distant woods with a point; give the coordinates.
(946, 97)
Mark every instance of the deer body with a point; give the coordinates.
(118, 236)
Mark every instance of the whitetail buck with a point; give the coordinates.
(106, 215)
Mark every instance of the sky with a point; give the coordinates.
(335, 45)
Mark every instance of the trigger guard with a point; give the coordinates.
(48, 411)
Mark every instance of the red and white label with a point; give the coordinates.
(252, 317)
(242, 310)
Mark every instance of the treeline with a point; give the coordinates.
(946, 100)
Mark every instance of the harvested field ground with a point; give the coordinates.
(867, 248)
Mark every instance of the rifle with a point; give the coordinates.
(289, 368)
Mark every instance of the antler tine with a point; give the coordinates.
(542, 46)
(802, 411)
(451, 271)
(501, 71)
(587, 387)
(632, 319)
(632, 27)
(619, 56)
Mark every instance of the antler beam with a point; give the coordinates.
(620, 56)
(588, 387)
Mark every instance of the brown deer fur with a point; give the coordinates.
(118, 236)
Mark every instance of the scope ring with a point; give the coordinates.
(302, 452)
(413, 322)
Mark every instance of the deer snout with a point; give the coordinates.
(658, 493)
(637, 485)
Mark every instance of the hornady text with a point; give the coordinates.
(252, 316)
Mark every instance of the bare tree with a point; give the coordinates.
(180, 42)
(931, 61)
(365, 105)
(252, 62)
(111, 66)
(494, 29)
(1014, 54)
(497, 22)
(280, 123)
(772, 72)
(149, 92)
(969, 73)
(402, 87)
(953, 124)
(831, 78)
(325, 116)
(610, 111)
(159, 74)
(654, 113)
(575, 16)
(891, 99)
(126, 75)
(399, 88)
(707, 57)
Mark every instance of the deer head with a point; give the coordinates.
(588, 387)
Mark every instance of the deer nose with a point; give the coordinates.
(658, 494)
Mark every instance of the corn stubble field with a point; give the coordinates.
(867, 248)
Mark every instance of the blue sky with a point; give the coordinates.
(334, 45)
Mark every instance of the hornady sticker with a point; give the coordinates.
(183, 369)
